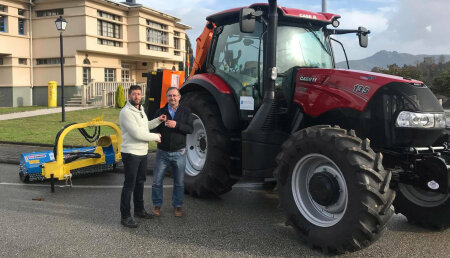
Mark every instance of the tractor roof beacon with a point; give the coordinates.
(341, 144)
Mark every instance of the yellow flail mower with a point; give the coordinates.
(63, 164)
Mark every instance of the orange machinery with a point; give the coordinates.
(157, 84)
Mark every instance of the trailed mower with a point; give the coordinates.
(63, 164)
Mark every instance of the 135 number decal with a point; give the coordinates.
(361, 88)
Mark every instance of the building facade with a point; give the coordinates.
(103, 41)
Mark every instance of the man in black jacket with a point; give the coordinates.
(171, 151)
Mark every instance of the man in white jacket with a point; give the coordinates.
(136, 135)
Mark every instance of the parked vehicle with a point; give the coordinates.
(269, 103)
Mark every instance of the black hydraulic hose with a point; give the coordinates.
(90, 138)
(57, 138)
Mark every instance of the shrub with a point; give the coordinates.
(120, 97)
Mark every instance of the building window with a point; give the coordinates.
(156, 48)
(177, 33)
(2, 23)
(3, 8)
(176, 43)
(1, 61)
(21, 12)
(108, 29)
(110, 74)
(50, 12)
(156, 36)
(125, 72)
(22, 61)
(86, 75)
(21, 26)
(109, 42)
(125, 75)
(177, 53)
(108, 16)
(157, 25)
(47, 61)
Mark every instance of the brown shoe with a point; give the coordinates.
(156, 211)
(178, 212)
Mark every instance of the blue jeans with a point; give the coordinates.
(163, 160)
(134, 172)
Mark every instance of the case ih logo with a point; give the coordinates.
(309, 16)
(308, 79)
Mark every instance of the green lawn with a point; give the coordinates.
(7, 110)
(43, 129)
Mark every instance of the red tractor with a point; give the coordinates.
(343, 146)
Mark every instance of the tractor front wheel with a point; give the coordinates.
(423, 208)
(208, 148)
(333, 189)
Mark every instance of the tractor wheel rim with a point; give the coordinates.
(304, 170)
(197, 148)
(422, 197)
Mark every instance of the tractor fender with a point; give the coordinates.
(221, 93)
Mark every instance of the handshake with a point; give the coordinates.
(168, 123)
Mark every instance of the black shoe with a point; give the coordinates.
(143, 214)
(128, 222)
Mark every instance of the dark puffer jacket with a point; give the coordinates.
(173, 139)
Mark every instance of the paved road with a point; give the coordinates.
(84, 221)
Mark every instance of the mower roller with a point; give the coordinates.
(62, 164)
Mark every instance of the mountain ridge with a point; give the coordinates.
(384, 58)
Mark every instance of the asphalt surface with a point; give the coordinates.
(84, 221)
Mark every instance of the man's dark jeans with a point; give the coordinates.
(135, 168)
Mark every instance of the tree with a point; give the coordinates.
(189, 55)
(405, 71)
(120, 97)
(441, 84)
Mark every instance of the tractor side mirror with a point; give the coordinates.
(363, 36)
(247, 19)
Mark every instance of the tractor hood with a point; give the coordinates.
(321, 90)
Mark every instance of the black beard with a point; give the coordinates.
(133, 102)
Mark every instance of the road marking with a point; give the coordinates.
(239, 185)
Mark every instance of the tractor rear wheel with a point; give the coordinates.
(208, 148)
(333, 189)
(423, 208)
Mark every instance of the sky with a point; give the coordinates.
(405, 26)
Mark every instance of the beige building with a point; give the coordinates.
(104, 41)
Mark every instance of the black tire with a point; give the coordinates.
(358, 201)
(423, 208)
(208, 149)
(24, 178)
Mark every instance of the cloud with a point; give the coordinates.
(418, 28)
(194, 17)
(408, 26)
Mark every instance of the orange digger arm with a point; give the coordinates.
(202, 47)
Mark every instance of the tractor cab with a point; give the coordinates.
(240, 45)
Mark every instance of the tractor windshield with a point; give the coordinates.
(305, 47)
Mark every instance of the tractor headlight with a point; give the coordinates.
(420, 120)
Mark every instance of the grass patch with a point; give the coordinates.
(43, 129)
(8, 110)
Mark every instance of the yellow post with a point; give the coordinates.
(52, 86)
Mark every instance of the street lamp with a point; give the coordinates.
(61, 24)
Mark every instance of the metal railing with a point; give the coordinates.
(104, 93)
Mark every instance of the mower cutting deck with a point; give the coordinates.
(63, 164)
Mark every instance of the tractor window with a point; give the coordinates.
(302, 47)
(236, 59)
